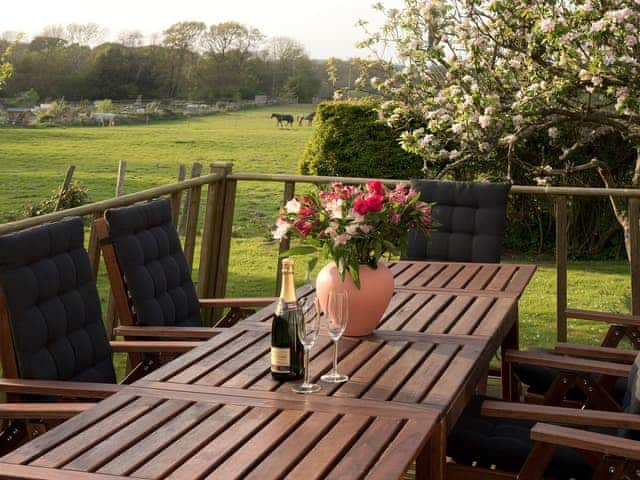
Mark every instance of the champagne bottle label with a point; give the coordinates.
(280, 360)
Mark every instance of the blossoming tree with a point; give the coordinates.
(481, 78)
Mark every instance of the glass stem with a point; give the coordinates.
(335, 358)
(306, 366)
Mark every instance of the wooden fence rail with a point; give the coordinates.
(219, 206)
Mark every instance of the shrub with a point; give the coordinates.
(74, 196)
(349, 140)
(105, 106)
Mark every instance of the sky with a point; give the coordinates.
(325, 27)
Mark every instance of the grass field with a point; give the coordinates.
(33, 162)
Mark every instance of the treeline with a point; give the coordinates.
(189, 60)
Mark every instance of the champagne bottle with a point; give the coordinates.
(287, 353)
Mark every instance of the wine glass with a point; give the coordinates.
(337, 317)
(307, 328)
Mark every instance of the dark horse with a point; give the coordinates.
(308, 117)
(282, 119)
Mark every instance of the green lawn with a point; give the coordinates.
(33, 162)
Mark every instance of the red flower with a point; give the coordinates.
(375, 187)
(361, 206)
(306, 212)
(304, 228)
(375, 202)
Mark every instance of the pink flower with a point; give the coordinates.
(306, 211)
(375, 187)
(395, 218)
(375, 202)
(361, 206)
(341, 239)
(366, 228)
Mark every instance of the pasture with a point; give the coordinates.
(33, 162)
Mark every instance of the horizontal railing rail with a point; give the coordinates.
(218, 217)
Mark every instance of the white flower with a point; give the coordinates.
(484, 121)
(335, 208)
(426, 141)
(599, 26)
(517, 120)
(584, 75)
(457, 128)
(547, 25)
(597, 81)
(356, 216)
(454, 154)
(553, 132)
(292, 206)
(630, 40)
(332, 230)
(282, 228)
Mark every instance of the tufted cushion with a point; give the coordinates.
(470, 216)
(539, 380)
(631, 403)
(149, 253)
(506, 443)
(54, 309)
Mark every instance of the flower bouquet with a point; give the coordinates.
(354, 226)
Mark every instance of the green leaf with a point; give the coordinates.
(301, 250)
(355, 275)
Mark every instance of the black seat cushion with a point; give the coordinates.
(470, 220)
(150, 255)
(506, 443)
(54, 309)
(538, 379)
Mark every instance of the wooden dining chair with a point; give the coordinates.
(502, 440)
(151, 283)
(53, 344)
(470, 219)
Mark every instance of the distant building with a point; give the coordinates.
(261, 99)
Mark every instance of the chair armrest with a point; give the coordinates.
(562, 415)
(150, 346)
(237, 302)
(168, 332)
(617, 318)
(585, 440)
(567, 364)
(43, 411)
(601, 353)
(58, 388)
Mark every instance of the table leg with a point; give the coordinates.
(510, 387)
(430, 464)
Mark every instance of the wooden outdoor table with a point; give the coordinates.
(433, 346)
(223, 434)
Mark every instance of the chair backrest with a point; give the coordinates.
(150, 257)
(631, 402)
(49, 306)
(470, 220)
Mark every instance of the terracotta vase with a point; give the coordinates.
(367, 304)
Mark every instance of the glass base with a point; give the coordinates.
(308, 388)
(334, 377)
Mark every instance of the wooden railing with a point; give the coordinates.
(216, 226)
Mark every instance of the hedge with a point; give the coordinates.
(348, 140)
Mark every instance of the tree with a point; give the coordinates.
(222, 37)
(131, 38)
(85, 33)
(181, 39)
(479, 79)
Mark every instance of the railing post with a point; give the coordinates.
(634, 243)
(176, 197)
(226, 228)
(193, 211)
(561, 267)
(211, 237)
(289, 192)
(196, 171)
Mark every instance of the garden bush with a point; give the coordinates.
(348, 140)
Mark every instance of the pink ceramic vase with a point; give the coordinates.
(367, 304)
